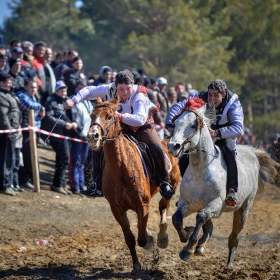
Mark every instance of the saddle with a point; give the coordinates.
(146, 157)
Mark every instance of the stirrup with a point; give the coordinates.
(166, 190)
(92, 191)
(230, 199)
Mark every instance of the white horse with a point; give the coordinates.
(203, 186)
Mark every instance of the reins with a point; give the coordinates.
(103, 130)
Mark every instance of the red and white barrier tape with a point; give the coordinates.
(43, 132)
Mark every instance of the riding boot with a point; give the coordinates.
(166, 190)
(95, 187)
(232, 178)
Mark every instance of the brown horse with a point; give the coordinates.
(124, 182)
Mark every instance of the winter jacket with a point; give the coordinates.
(71, 78)
(28, 103)
(100, 81)
(38, 64)
(80, 114)
(17, 81)
(54, 108)
(232, 125)
(10, 114)
(61, 68)
(160, 116)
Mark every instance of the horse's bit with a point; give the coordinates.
(103, 130)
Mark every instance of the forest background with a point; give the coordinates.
(189, 41)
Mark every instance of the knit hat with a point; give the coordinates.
(12, 61)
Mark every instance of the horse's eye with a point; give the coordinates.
(193, 126)
(109, 117)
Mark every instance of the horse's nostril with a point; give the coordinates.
(96, 135)
(177, 146)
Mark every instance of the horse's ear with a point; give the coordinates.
(115, 101)
(98, 101)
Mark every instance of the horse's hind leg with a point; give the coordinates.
(162, 240)
(239, 219)
(207, 232)
(128, 235)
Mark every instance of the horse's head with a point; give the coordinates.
(104, 123)
(188, 128)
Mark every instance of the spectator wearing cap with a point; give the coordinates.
(60, 121)
(152, 90)
(74, 75)
(105, 74)
(162, 99)
(10, 116)
(64, 65)
(17, 77)
(26, 68)
(28, 101)
(14, 43)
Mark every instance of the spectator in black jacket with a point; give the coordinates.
(17, 78)
(10, 117)
(105, 74)
(74, 75)
(56, 115)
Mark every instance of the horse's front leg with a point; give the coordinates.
(145, 238)
(211, 210)
(207, 232)
(177, 219)
(122, 219)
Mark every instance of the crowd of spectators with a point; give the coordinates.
(31, 78)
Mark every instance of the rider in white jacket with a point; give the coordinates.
(135, 113)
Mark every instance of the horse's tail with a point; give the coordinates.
(268, 169)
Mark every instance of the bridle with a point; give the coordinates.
(105, 131)
(200, 125)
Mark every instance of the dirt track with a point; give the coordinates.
(87, 243)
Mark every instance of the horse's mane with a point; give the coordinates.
(209, 115)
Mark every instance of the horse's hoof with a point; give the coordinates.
(162, 242)
(150, 243)
(230, 266)
(200, 250)
(185, 256)
(137, 266)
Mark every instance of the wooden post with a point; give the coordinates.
(34, 154)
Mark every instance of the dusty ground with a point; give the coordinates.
(87, 243)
